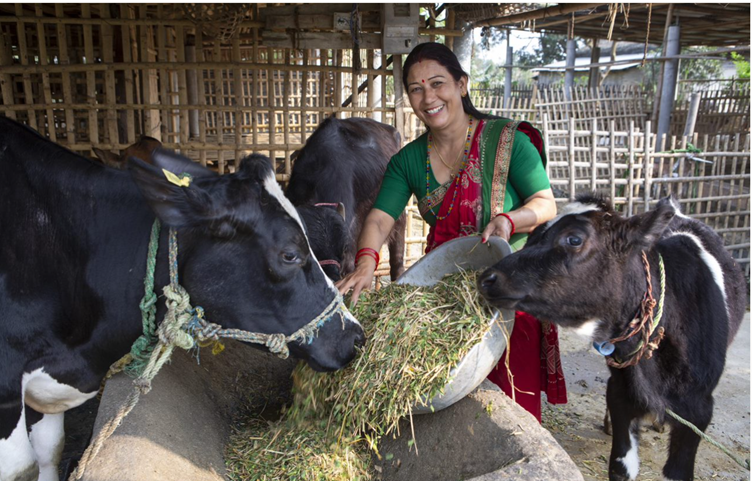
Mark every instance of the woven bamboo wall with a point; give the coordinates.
(108, 73)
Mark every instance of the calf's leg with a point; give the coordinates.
(683, 445)
(397, 248)
(47, 437)
(624, 463)
(17, 461)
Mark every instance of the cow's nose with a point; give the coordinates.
(487, 280)
(360, 339)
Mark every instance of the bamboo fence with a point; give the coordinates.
(120, 71)
(113, 72)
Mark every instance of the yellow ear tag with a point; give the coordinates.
(183, 181)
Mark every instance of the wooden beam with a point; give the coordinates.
(537, 14)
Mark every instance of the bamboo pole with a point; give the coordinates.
(62, 38)
(238, 101)
(125, 32)
(286, 115)
(220, 101)
(23, 54)
(91, 81)
(5, 79)
(201, 96)
(46, 87)
(107, 46)
(183, 96)
(167, 124)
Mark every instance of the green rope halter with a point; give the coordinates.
(184, 326)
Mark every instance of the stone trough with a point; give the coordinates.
(180, 428)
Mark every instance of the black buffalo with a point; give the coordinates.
(344, 161)
(585, 270)
(72, 263)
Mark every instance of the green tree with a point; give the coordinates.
(741, 64)
(699, 68)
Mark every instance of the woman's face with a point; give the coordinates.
(434, 95)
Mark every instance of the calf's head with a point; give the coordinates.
(584, 265)
(244, 256)
(328, 236)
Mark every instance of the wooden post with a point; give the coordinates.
(571, 155)
(201, 96)
(399, 96)
(91, 81)
(508, 73)
(647, 170)
(370, 93)
(671, 75)
(569, 75)
(304, 99)
(451, 19)
(694, 107)
(594, 79)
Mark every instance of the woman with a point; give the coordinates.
(470, 173)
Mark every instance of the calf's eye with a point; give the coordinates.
(290, 257)
(574, 241)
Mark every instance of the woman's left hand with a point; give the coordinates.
(499, 226)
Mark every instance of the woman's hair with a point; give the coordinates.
(440, 53)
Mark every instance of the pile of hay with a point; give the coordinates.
(415, 337)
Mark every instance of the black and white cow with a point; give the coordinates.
(72, 264)
(344, 161)
(584, 270)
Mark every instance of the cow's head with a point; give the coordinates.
(244, 256)
(581, 267)
(328, 236)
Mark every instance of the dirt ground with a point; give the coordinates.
(578, 425)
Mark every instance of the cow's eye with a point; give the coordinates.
(290, 257)
(574, 241)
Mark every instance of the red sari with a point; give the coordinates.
(534, 358)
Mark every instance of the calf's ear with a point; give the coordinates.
(175, 205)
(108, 158)
(178, 164)
(646, 229)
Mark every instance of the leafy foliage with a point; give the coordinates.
(741, 64)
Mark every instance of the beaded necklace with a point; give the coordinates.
(457, 176)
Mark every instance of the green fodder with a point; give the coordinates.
(415, 337)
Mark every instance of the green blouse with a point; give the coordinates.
(406, 175)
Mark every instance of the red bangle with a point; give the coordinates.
(503, 214)
(367, 251)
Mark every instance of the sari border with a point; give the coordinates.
(501, 168)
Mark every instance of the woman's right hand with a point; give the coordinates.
(361, 278)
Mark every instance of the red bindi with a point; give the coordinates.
(423, 81)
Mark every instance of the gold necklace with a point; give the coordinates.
(451, 169)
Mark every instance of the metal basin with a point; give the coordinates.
(464, 253)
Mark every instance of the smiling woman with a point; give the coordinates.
(472, 174)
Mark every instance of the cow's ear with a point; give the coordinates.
(175, 205)
(173, 162)
(646, 229)
(108, 158)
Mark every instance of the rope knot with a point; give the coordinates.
(277, 344)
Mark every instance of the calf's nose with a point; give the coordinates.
(487, 280)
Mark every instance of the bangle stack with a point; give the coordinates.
(367, 251)
(511, 222)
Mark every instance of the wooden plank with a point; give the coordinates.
(149, 83)
(167, 126)
(304, 100)
(286, 115)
